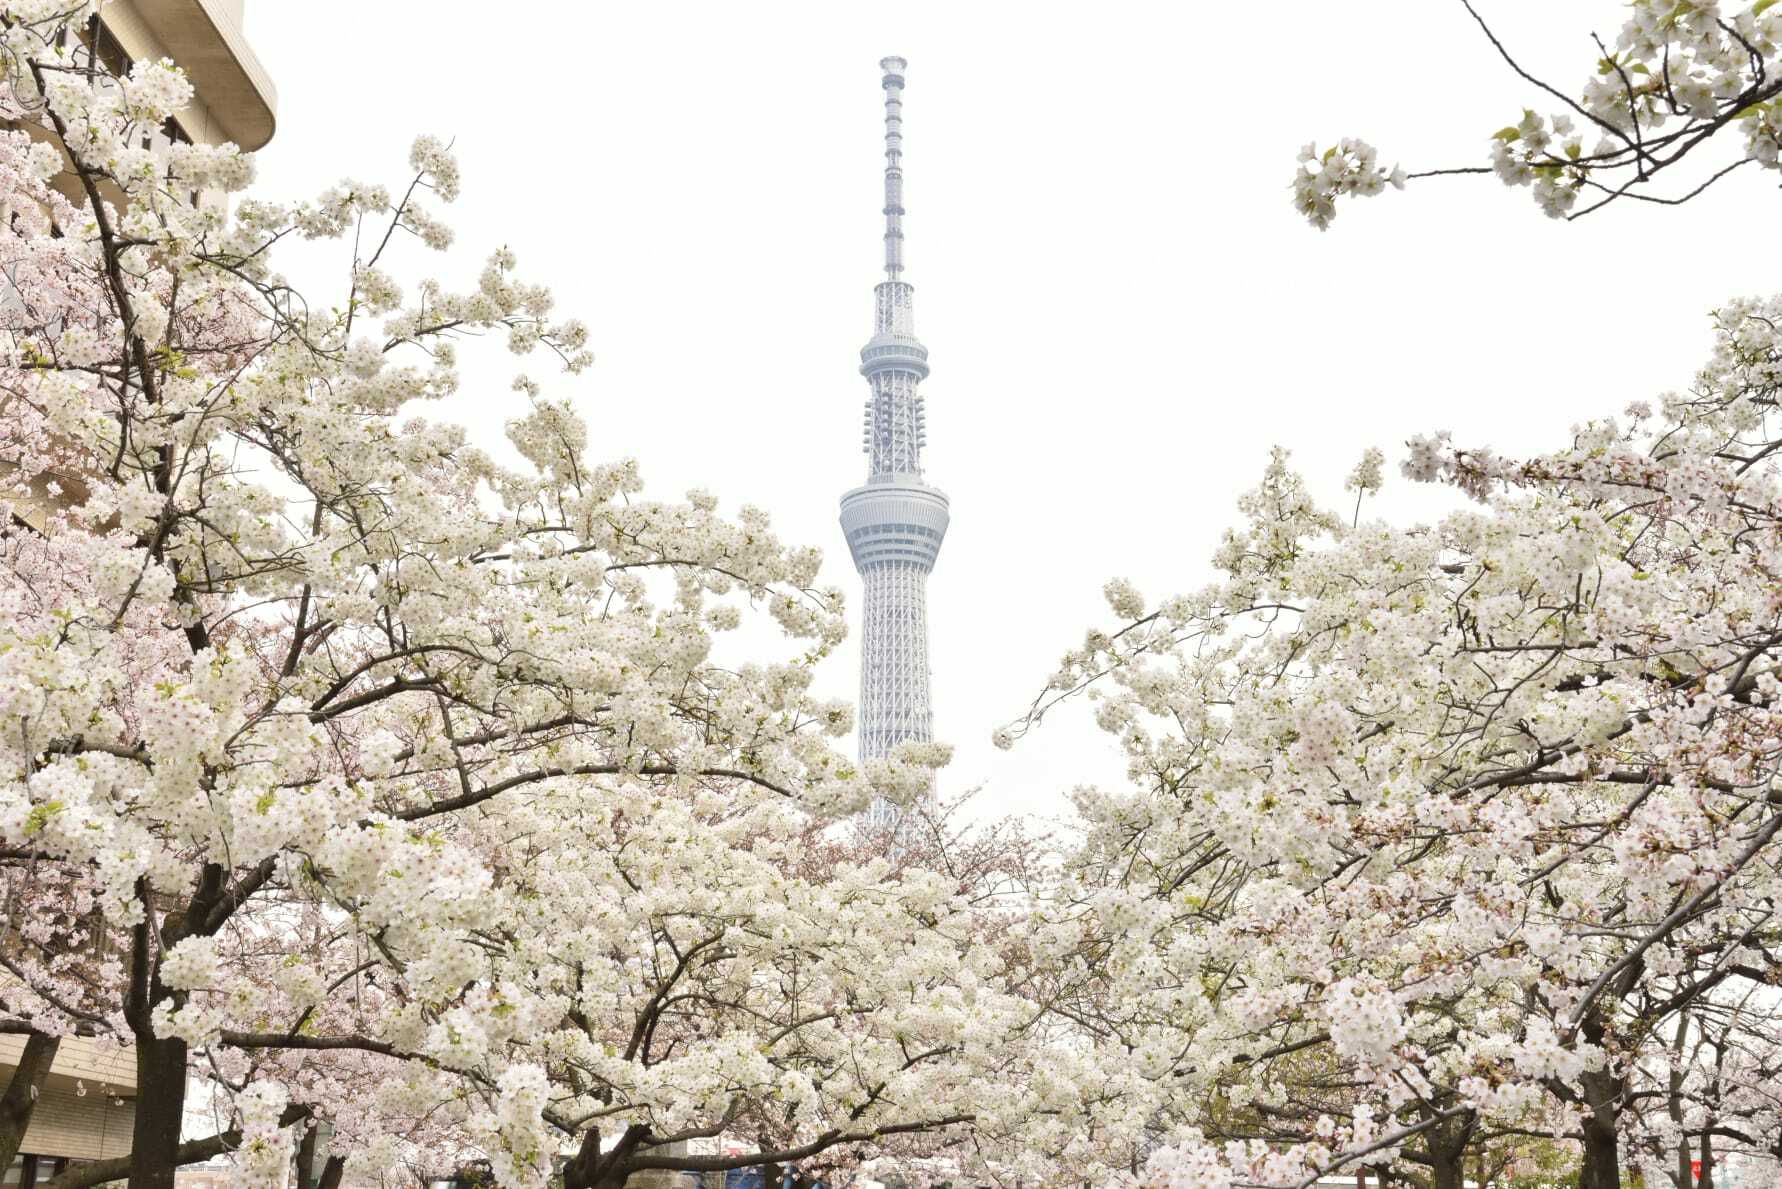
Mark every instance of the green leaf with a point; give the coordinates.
(39, 817)
(1572, 151)
(1607, 65)
(1757, 9)
(1506, 134)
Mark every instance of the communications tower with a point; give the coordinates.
(896, 522)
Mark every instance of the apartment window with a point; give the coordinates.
(111, 55)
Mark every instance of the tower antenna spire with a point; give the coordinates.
(893, 81)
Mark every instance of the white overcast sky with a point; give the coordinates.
(1123, 311)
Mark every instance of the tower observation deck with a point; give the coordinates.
(895, 522)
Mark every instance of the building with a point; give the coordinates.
(896, 522)
(235, 100)
(85, 1109)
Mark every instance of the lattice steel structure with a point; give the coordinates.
(896, 522)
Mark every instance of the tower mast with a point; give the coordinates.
(895, 522)
(893, 83)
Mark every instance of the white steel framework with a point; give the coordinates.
(896, 522)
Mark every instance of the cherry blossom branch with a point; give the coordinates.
(196, 1151)
(1666, 927)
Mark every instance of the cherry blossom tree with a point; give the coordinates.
(361, 777)
(1463, 835)
(1465, 826)
(725, 979)
(664, 972)
(1681, 78)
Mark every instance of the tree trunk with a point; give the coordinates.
(1444, 1147)
(1602, 1155)
(160, 1111)
(1706, 1180)
(1447, 1172)
(1602, 1112)
(590, 1168)
(21, 1093)
(307, 1174)
(315, 1170)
